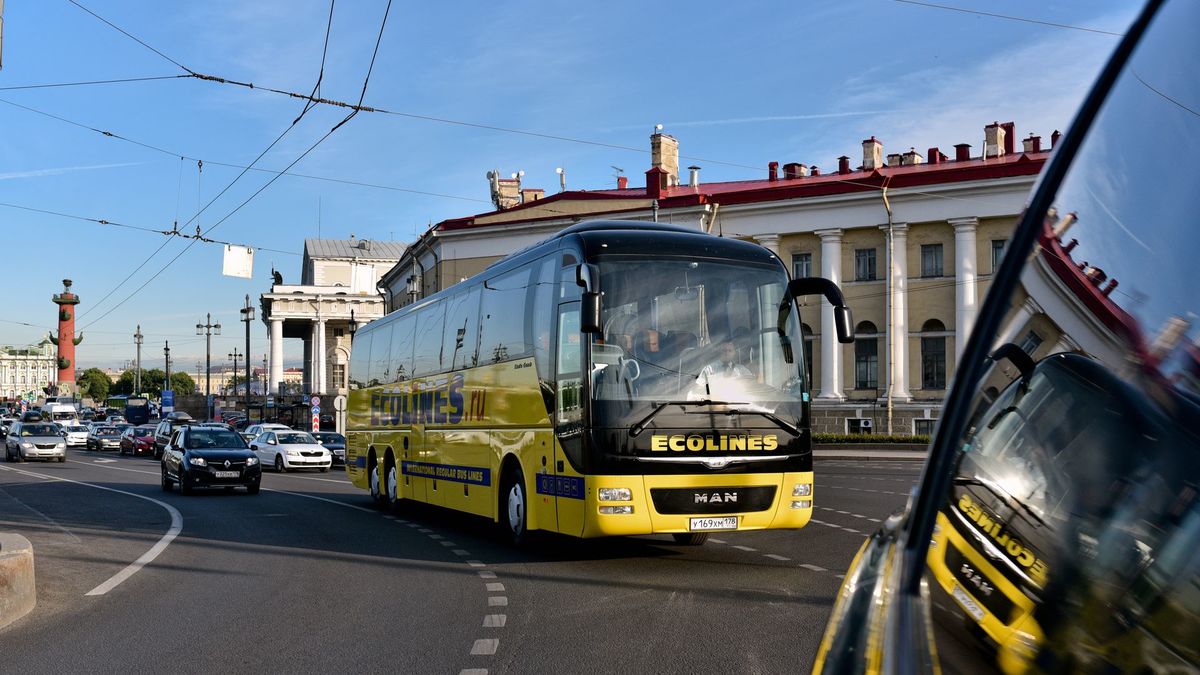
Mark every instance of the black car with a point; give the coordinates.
(334, 443)
(166, 428)
(209, 457)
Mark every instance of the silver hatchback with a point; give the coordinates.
(34, 440)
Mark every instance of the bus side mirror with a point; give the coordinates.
(589, 315)
(843, 320)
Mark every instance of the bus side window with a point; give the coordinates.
(462, 331)
(380, 371)
(503, 335)
(541, 315)
(360, 356)
(427, 343)
(568, 289)
(402, 347)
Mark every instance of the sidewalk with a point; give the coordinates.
(870, 452)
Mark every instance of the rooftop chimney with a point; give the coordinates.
(694, 176)
(843, 164)
(506, 192)
(531, 194)
(622, 182)
(912, 158)
(1032, 144)
(814, 170)
(656, 182)
(793, 170)
(993, 140)
(1010, 137)
(872, 154)
(772, 171)
(664, 154)
(1054, 138)
(962, 152)
(1112, 285)
(894, 159)
(934, 156)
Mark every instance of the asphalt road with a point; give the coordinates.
(309, 576)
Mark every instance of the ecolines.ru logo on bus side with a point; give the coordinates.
(426, 402)
(720, 443)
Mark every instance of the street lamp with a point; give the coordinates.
(234, 356)
(247, 313)
(137, 378)
(167, 362)
(208, 329)
(353, 326)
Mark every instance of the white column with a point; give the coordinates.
(897, 329)
(276, 355)
(769, 242)
(1020, 320)
(310, 375)
(831, 349)
(966, 305)
(322, 359)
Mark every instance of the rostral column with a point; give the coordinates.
(66, 339)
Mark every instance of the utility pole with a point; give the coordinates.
(247, 313)
(167, 358)
(137, 377)
(208, 329)
(234, 356)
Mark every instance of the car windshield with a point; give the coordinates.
(144, 431)
(108, 431)
(213, 438)
(38, 430)
(330, 437)
(295, 438)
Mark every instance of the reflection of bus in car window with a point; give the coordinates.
(1058, 442)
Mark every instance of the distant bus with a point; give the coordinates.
(136, 409)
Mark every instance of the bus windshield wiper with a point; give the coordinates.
(735, 408)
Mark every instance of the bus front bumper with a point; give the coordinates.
(677, 504)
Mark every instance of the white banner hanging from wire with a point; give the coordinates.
(239, 261)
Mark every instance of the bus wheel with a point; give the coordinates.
(515, 516)
(690, 538)
(373, 473)
(393, 487)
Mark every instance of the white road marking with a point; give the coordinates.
(473, 671)
(495, 588)
(435, 536)
(717, 541)
(745, 548)
(461, 552)
(147, 557)
(103, 461)
(485, 647)
(487, 574)
(495, 620)
(814, 568)
(425, 530)
(323, 480)
(447, 543)
(476, 563)
(321, 499)
(497, 601)
(389, 517)
(777, 557)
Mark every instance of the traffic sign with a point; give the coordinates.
(304, 400)
(316, 409)
(339, 403)
(316, 422)
(315, 401)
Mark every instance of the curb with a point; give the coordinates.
(18, 594)
(872, 455)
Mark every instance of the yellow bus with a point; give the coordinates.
(619, 378)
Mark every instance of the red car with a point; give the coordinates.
(138, 440)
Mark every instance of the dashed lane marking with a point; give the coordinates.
(473, 671)
(717, 541)
(775, 556)
(813, 568)
(497, 601)
(460, 552)
(495, 588)
(745, 548)
(485, 647)
(476, 563)
(881, 492)
(495, 620)
(487, 574)
(447, 543)
(848, 513)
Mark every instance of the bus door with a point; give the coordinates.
(568, 419)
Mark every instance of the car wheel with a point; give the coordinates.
(166, 481)
(690, 538)
(514, 515)
(279, 464)
(184, 488)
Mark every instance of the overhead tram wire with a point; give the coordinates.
(217, 224)
(1008, 17)
(129, 35)
(91, 82)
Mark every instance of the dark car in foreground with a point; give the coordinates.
(1056, 528)
(209, 457)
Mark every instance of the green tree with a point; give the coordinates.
(183, 384)
(124, 384)
(94, 384)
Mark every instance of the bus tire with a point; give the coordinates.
(690, 538)
(391, 484)
(373, 479)
(514, 508)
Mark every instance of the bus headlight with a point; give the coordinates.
(616, 494)
(802, 490)
(615, 510)
(801, 503)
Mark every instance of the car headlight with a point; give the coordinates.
(197, 461)
(293, 453)
(251, 461)
(61, 446)
(27, 446)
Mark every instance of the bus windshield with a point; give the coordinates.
(695, 329)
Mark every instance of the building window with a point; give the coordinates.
(339, 332)
(859, 425)
(933, 356)
(339, 375)
(801, 265)
(997, 252)
(1031, 342)
(931, 260)
(864, 264)
(866, 356)
(923, 427)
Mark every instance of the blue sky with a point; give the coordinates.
(737, 83)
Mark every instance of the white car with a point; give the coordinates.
(76, 435)
(286, 450)
(257, 429)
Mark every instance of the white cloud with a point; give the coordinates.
(35, 173)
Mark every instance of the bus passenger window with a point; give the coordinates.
(568, 342)
(427, 343)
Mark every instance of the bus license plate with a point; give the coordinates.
(226, 474)
(967, 602)
(702, 524)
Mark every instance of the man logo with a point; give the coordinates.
(716, 497)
